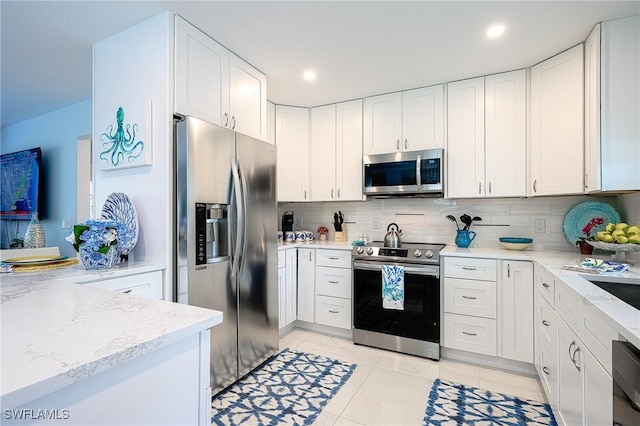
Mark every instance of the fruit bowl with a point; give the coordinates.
(620, 249)
(515, 243)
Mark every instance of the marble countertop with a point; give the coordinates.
(55, 333)
(623, 317)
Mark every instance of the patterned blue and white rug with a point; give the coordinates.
(453, 404)
(291, 388)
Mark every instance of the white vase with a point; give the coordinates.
(34, 235)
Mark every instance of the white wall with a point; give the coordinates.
(57, 134)
(128, 68)
(424, 220)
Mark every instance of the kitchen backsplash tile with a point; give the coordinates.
(424, 220)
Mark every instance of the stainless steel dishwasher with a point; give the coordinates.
(626, 384)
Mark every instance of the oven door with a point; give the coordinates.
(421, 315)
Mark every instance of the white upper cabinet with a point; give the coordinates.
(465, 138)
(612, 106)
(271, 123)
(336, 152)
(292, 140)
(323, 153)
(505, 134)
(404, 121)
(247, 99)
(557, 124)
(202, 75)
(486, 144)
(382, 124)
(215, 85)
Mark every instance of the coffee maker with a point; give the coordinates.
(287, 221)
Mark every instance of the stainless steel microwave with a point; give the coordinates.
(414, 174)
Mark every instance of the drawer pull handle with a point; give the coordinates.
(333, 312)
(466, 268)
(546, 371)
(545, 285)
(469, 297)
(469, 334)
(334, 258)
(333, 282)
(128, 291)
(545, 323)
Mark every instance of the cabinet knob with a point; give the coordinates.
(546, 371)
(545, 323)
(545, 285)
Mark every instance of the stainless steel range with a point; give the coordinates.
(415, 329)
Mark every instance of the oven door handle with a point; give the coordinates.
(416, 270)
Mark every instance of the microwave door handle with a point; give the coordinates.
(418, 172)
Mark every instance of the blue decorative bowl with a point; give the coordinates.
(515, 243)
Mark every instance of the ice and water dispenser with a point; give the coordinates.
(211, 233)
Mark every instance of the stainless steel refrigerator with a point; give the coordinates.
(226, 242)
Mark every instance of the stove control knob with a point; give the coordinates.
(370, 251)
(360, 250)
(428, 253)
(417, 253)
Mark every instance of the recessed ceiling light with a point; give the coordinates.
(495, 31)
(309, 75)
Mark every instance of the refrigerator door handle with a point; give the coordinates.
(243, 238)
(235, 268)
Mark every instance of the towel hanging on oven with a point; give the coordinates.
(393, 287)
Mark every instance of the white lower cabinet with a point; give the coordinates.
(516, 314)
(148, 284)
(282, 289)
(287, 286)
(333, 288)
(306, 284)
(472, 334)
(575, 378)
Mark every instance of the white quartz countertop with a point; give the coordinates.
(336, 245)
(54, 333)
(623, 317)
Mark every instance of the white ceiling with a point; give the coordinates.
(358, 48)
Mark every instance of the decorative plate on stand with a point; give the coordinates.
(119, 207)
(580, 215)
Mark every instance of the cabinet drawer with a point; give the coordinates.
(281, 259)
(596, 334)
(333, 311)
(548, 370)
(334, 282)
(474, 269)
(544, 284)
(333, 258)
(147, 285)
(567, 304)
(470, 297)
(547, 322)
(471, 334)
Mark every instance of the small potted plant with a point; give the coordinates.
(323, 231)
(585, 247)
(97, 242)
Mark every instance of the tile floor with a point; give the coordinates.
(388, 388)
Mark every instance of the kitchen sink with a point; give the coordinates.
(628, 293)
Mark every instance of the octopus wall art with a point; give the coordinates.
(120, 146)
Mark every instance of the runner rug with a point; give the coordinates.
(290, 388)
(454, 404)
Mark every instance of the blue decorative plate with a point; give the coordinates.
(580, 215)
(119, 207)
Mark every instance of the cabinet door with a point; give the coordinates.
(202, 75)
(570, 365)
(247, 99)
(423, 118)
(517, 310)
(505, 129)
(322, 161)
(598, 393)
(292, 140)
(620, 104)
(465, 138)
(383, 124)
(557, 145)
(282, 297)
(271, 123)
(291, 283)
(306, 285)
(349, 151)
(592, 181)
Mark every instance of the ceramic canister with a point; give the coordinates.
(308, 236)
(289, 236)
(299, 236)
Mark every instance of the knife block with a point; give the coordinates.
(341, 235)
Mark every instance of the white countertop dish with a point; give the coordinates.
(624, 318)
(55, 333)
